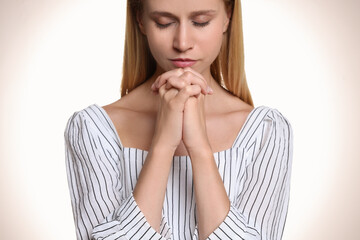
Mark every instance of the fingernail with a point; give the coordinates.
(209, 89)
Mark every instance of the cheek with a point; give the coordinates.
(157, 44)
(211, 41)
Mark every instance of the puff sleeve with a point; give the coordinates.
(260, 208)
(101, 209)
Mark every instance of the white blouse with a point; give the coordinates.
(102, 174)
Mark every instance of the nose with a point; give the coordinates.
(182, 39)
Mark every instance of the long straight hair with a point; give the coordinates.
(228, 69)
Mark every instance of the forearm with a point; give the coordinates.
(211, 198)
(150, 188)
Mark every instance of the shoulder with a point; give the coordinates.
(268, 135)
(257, 116)
(278, 120)
(264, 124)
(267, 115)
(88, 123)
(273, 126)
(91, 114)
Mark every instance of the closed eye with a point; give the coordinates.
(197, 24)
(162, 26)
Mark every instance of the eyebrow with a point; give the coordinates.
(192, 14)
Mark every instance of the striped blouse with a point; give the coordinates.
(102, 174)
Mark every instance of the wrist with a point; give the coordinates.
(200, 152)
(161, 151)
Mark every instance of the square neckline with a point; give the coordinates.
(112, 125)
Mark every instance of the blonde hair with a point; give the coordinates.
(228, 69)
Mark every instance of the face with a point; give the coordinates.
(184, 33)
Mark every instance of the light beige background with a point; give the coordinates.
(56, 57)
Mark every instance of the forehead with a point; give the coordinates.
(182, 6)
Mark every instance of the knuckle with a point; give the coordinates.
(167, 96)
(180, 71)
(187, 69)
(162, 95)
(171, 79)
(204, 86)
(187, 74)
(157, 80)
(187, 90)
(163, 79)
(160, 78)
(182, 83)
(197, 87)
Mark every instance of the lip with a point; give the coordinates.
(183, 62)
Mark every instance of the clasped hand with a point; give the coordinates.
(181, 114)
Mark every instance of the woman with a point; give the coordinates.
(183, 154)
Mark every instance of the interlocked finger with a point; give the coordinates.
(167, 95)
(187, 92)
(189, 69)
(187, 78)
(163, 77)
(180, 78)
(176, 82)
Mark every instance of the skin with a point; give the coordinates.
(175, 113)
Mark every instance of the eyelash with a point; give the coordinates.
(201, 24)
(162, 26)
(196, 24)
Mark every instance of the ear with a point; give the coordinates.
(140, 22)
(227, 21)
